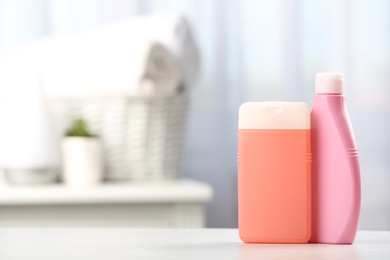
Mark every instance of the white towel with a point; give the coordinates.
(145, 55)
(111, 58)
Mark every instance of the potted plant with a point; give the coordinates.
(82, 156)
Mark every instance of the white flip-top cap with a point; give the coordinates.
(330, 83)
(274, 115)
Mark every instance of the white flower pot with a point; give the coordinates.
(82, 161)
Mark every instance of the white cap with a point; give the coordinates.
(274, 115)
(330, 83)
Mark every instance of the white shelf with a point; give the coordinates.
(183, 191)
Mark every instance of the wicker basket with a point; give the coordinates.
(142, 136)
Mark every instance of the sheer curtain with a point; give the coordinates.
(254, 51)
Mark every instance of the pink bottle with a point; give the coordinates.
(335, 167)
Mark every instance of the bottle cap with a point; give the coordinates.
(330, 83)
(274, 115)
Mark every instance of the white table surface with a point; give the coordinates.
(109, 243)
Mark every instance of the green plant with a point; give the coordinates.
(80, 129)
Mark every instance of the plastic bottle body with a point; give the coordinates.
(274, 186)
(336, 190)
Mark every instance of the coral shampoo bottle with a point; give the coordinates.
(274, 164)
(336, 171)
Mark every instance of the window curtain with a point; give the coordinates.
(254, 50)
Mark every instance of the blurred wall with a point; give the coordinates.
(255, 51)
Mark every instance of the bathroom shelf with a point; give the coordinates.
(175, 203)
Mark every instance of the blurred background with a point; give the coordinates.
(247, 50)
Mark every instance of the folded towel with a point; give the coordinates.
(112, 58)
(149, 54)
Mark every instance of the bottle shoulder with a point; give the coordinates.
(330, 117)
